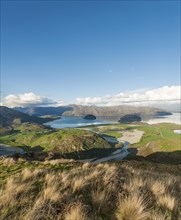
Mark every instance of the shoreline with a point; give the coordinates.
(78, 122)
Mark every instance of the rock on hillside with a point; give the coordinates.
(130, 118)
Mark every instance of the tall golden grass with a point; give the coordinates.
(110, 191)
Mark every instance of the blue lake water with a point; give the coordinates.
(75, 122)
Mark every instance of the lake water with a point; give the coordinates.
(75, 122)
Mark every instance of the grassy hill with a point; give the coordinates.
(61, 141)
(127, 190)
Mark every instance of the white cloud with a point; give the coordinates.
(89, 101)
(160, 97)
(26, 100)
(143, 97)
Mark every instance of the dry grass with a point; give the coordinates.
(132, 207)
(76, 212)
(157, 187)
(9, 161)
(101, 199)
(158, 216)
(78, 184)
(112, 191)
(42, 209)
(167, 201)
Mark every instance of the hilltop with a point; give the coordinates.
(126, 190)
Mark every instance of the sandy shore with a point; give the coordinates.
(132, 137)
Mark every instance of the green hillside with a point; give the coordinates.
(156, 137)
(62, 141)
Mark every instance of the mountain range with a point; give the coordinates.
(32, 115)
(81, 110)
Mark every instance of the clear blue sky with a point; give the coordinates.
(75, 49)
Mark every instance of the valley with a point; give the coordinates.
(98, 171)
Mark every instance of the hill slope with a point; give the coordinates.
(7, 116)
(131, 190)
(40, 111)
(66, 141)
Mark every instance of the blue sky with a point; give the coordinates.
(70, 49)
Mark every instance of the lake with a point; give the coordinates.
(75, 122)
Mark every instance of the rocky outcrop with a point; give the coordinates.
(90, 117)
(130, 118)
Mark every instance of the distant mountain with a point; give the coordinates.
(111, 111)
(40, 111)
(7, 116)
(79, 110)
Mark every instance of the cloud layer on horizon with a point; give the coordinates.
(146, 97)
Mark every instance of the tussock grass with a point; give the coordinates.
(76, 211)
(132, 207)
(158, 216)
(167, 201)
(157, 187)
(129, 190)
(9, 161)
